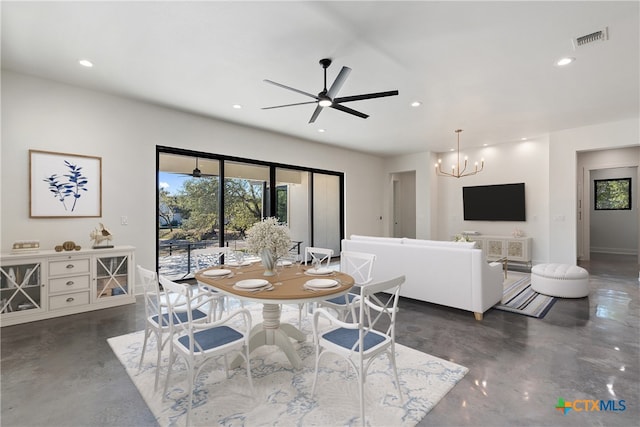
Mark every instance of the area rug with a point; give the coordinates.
(282, 394)
(518, 297)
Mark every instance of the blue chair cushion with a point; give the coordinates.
(212, 338)
(180, 317)
(348, 337)
(341, 299)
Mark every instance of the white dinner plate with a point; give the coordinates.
(216, 272)
(251, 283)
(238, 264)
(322, 271)
(284, 263)
(321, 283)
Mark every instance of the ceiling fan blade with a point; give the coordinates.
(338, 82)
(315, 114)
(290, 105)
(348, 110)
(290, 88)
(365, 96)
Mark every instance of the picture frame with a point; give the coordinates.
(63, 185)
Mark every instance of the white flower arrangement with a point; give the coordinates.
(271, 235)
(461, 238)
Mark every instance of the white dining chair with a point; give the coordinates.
(359, 266)
(360, 342)
(318, 258)
(212, 257)
(156, 310)
(198, 343)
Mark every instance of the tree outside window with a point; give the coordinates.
(612, 194)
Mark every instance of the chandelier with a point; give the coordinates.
(456, 172)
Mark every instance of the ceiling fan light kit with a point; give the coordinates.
(327, 98)
(196, 172)
(456, 172)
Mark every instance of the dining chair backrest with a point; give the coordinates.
(208, 257)
(358, 265)
(151, 291)
(314, 255)
(386, 306)
(185, 303)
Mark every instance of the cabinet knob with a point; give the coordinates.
(70, 299)
(70, 265)
(70, 282)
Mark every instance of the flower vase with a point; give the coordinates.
(269, 262)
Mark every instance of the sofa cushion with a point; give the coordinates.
(377, 239)
(441, 243)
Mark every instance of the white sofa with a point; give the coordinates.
(454, 274)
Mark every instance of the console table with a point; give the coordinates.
(510, 249)
(44, 284)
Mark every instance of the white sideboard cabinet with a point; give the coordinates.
(514, 249)
(44, 284)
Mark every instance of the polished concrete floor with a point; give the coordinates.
(62, 372)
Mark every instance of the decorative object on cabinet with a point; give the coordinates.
(51, 284)
(70, 245)
(64, 185)
(517, 233)
(25, 246)
(99, 235)
(505, 248)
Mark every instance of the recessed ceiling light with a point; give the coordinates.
(523, 139)
(321, 130)
(85, 63)
(237, 106)
(565, 61)
(452, 149)
(484, 145)
(416, 103)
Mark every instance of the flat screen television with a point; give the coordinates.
(503, 202)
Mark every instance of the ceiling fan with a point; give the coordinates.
(327, 98)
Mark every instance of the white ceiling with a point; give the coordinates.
(485, 67)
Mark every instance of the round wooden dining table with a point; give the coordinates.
(288, 286)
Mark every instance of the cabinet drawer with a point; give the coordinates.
(73, 283)
(69, 266)
(68, 300)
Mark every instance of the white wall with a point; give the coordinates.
(45, 115)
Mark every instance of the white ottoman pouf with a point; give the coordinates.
(560, 280)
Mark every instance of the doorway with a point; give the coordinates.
(597, 229)
(404, 204)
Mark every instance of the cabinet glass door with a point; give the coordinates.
(20, 288)
(112, 276)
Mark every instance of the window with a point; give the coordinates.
(612, 194)
(209, 200)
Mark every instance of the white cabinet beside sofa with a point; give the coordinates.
(45, 284)
(516, 249)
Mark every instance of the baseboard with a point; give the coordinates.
(614, 251)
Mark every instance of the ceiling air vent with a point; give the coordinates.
(597, 36)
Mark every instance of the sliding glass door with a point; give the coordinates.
(207, 200)
(245, 199)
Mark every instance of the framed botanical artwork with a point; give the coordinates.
(64, 185)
